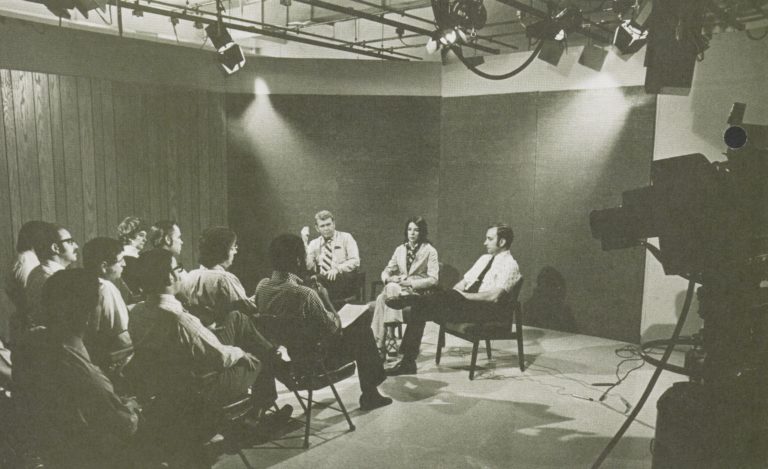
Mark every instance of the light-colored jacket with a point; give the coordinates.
(424, 271)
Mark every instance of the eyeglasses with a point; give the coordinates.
(68, 240)
(178, 269)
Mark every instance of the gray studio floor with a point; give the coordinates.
(541, 418)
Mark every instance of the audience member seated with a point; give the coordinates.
(107, 338)
(284, 295)
(333, 257)
(547, 307)
(172, 346)
(77, 419)
(56, 250)
(413, 269)
(212, 288)
(166, 234)
(16, 281)
(475, 298)
(133, 234)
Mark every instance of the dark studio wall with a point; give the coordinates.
(86, 152)
(373, 161)
(541, 162)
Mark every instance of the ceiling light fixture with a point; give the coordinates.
(231, 56)
(630, 37)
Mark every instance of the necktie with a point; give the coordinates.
(475, 287)
(410, 256)
(326, 256)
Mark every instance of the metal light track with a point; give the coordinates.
(255, 30)
(385, 21)
(605, 39)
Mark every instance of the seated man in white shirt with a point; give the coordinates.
(56, 250)
(212, 289)
(333, 256)
(476, 298)
(107, 338)
(172, 344)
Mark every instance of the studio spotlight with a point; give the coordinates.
(593, 57)
(558, 27)
(445, 38)
(469, 14)
(630, 37)
(61, 8)
(231, 56)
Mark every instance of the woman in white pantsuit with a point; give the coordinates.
(412, 269)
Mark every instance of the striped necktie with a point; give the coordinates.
(326, 256)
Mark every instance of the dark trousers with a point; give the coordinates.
(442, 306)
(239, 330)
(357, 344)
(343, 286)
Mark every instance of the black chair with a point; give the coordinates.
(488, 331)
(310, 368)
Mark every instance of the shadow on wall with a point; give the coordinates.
(547, 307)
(692, 323)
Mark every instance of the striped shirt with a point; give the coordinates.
(284, 295)
(215, 288)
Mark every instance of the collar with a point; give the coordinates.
(331, 239)
(130, 251)
(503, 253)
(286, 277)
(75, 344)
(52, 265)
(167, 301)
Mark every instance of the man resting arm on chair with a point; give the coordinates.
(476, 298)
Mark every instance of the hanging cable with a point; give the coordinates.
(457, 50)
(756, 6)
(667, 352)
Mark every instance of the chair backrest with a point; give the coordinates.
(512, 301)
(304, 346)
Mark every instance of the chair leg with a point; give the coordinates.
(440, 345)
(488, 348)
(308, 419)
(475, 346)
(400, 331)
(519, 334)
(343, 409)
(301, 401)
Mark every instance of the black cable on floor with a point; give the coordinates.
(678, 327)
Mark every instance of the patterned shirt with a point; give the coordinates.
(504, 272)
(285, 295)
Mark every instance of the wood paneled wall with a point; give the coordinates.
(86, 152)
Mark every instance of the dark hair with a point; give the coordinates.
(153, 267)
(159, 231)
(421, 223)
(29, 234)
(69, 299)
(100, 250)
(287, 254)
(129, 228)
(215, 244)
(49, 235)
(504, 231)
